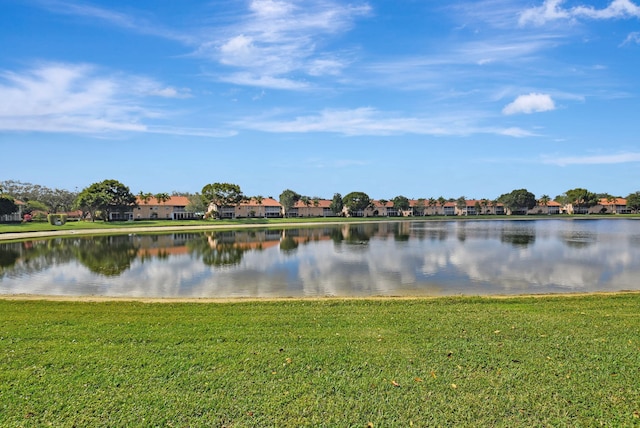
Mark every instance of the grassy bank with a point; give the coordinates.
(546, 361)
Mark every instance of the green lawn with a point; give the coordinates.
(526, 361)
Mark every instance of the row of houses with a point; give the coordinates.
(174, 208)
(270, 208)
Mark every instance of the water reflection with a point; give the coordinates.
(401, 258)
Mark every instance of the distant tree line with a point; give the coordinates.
(101, 199)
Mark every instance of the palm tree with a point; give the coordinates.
(162, 197)
(611, 200)
(432, 203)
(484, 203)
(259, 200)
(145, 197)
(461, 204)
(306, 201)
(441, 202)
(544, 200)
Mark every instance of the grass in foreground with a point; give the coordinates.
(552, 361)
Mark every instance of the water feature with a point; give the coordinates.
(410, 258)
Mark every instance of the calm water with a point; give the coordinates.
(407, 258)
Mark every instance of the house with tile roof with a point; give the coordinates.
(549, 208)
(257, 207)
(252, 207)
(610, 206)
(173, 208)
(312, 208)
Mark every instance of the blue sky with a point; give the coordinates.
(404, 97)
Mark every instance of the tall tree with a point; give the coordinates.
(55, 199)
(420, 206)
(7, 205)
(288, 199)
(581, 198)
(520, 200)
(401, 203)
(222, 194)
(461, 204)
(356, 201)
(195, 204)
(633, 201)
(336, 204)
(108, 196)
(478, 207)
(432, 203)
(484, 203)
(145, 197)
(162, 197)
(611, 201)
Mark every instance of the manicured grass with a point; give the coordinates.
(545, 361)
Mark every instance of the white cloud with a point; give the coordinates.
(80, 99)
(616, 9)
(114, 18)
(516, 132)
(552, 10)
(370, 121)
(549, 11)
(277, 40)
(594, 160)
(632, 38)
(531, 103)
(261, 81)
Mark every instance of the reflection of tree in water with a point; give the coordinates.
(518, 238)
(401, 233)
(8, 257)
(336, 235)
(360, 234)
(35, 256)
(288, 244)
(214, 252)
(106, 255)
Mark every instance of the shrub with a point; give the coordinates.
(57, 219)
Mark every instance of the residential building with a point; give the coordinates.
(253, 207)
(173, 208)
(314, 208)
(610, 206)
(549, 208)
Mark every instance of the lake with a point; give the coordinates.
(408, 258)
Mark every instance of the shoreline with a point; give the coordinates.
(208, 300)
(19, 236)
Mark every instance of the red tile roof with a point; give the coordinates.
(265, 202)
(173, 201)
(616, 201)
(322, 203)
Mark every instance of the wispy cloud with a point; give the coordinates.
(632, 38)
(276, 44)
(594, 159)
(115, 18)
(78, 98)
(370, 121)
(531, 103)
(552, 10)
